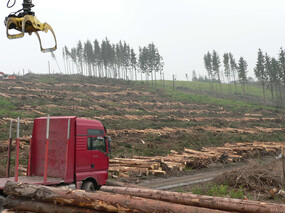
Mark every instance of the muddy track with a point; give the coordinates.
(196, 177)
(174, 182)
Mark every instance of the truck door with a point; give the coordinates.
(99, 153)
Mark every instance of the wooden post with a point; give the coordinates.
(283, 162)
(46, 153)
(67, 148)
(48, 67)
(17, 151)
(30, 154)
(9, 150)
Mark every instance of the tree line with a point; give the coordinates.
(269, 71)
(232, 71)
(108, 60)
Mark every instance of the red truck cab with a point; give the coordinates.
(68, 150)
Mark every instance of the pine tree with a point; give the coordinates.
(134, 63)
(104, 55)
(282, 69)
(73, 55)
(275, 77)
(233, 67)
(216, 63)
(269, 74)
(242, 72)
(79, 54)
(208, 66)
(89, 52)
(259, 71)
(227, 70)
(143, 63)
(97, 59)
(194, 76)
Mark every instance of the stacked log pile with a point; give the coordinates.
(141, 165)
(34, 198)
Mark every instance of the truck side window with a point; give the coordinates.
(89, 144)
(96, 144)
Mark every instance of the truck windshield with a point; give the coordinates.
(96, 143)
(95, 132)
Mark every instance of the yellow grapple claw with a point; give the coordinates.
(32, 24)
(14, 23)
(25, 21)
(29, 24)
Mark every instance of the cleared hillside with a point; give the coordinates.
(142, 120)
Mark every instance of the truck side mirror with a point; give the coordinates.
(109, 143)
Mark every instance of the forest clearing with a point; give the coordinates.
(155, 136)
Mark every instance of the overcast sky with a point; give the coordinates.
(183, 30)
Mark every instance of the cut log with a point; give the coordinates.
(191, 151)
(124, 175)
(226, 204)
(134, 170)
(117, 183)
(100, 201)
(235, 158)
(8, 211)
(174, 152)
(157, 172)
(198, 163)
(175, 159)
(20, 204)
(134, 163)
(150, 159)
(194, 156)
(172, 165)
(130, 160)
(146, 166)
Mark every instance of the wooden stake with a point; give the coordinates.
(46, 152)
(67, 148)
(9, 151)
(283, 162)
(30, 154)
(17, 150)
(48, 67)
(173, 77)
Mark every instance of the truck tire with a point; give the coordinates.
(88, 186)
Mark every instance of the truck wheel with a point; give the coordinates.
(88, 186)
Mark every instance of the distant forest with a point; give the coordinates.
(269, 71)
(110, 60)
(118, 60)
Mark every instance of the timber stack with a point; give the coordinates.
(177, 162)
(34, 198)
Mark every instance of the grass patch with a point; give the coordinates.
(200, 92)
(218, 191)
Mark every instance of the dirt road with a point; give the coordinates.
(173, 182)
(197, 176)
